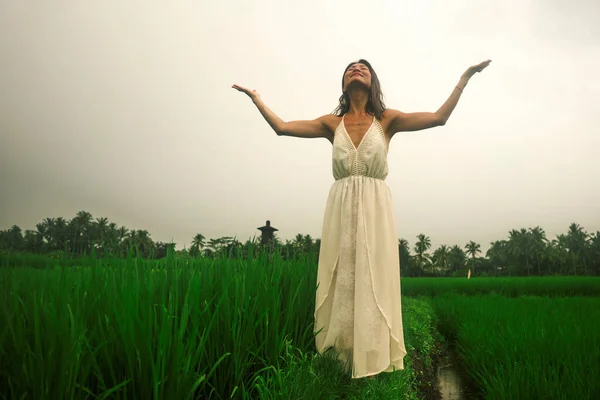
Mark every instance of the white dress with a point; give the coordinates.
(358, 309)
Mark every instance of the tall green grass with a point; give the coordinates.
(554, 286)
(137, 329)
(528, 347)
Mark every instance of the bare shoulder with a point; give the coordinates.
(330, 121)
(387, 120)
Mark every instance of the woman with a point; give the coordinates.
(358, 309)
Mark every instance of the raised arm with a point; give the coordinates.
(423, 120)
(317, 128)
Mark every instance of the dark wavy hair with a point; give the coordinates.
(375, 105)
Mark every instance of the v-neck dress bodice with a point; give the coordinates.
(368, 159)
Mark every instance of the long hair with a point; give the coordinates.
(375, 105)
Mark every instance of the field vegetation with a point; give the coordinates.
(92, 311)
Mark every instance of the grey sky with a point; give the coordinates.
(124, 109)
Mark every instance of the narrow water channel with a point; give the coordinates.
(450, 382)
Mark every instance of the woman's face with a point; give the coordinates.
(357, 73)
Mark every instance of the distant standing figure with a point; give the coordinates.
(358, 310)
(267, 233)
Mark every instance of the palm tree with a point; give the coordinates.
(538, 245)
(122, 235)
(422, 245)
(498, 254)
(561, 253)
(79, 232)
(100, 232)
(42, 231)
(441, 257)
(298, 243)
(308, 243)
(111, 239)
(403, 246)
(144, 242)
(519, 246)
(50, 233)
(577, 242)
(15, 238)
(473, 249)
(60, 234)
(197, 244)
(405, 264)
(456, 258)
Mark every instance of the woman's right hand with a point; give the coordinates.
(253, 94)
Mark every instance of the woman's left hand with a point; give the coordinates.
(472, 70)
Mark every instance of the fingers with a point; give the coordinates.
(239, 88)
(481, 66)
(248, 92)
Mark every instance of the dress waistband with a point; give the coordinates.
(359, 176)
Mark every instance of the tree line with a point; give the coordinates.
(525, 252)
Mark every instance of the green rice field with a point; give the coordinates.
(528, 347)
(242, 329)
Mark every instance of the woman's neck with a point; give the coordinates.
(358, 102)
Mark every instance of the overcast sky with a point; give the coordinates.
(125, 109)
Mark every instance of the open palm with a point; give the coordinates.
(473, 69)
(250, 93)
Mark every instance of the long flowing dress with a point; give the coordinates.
(358, 309)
